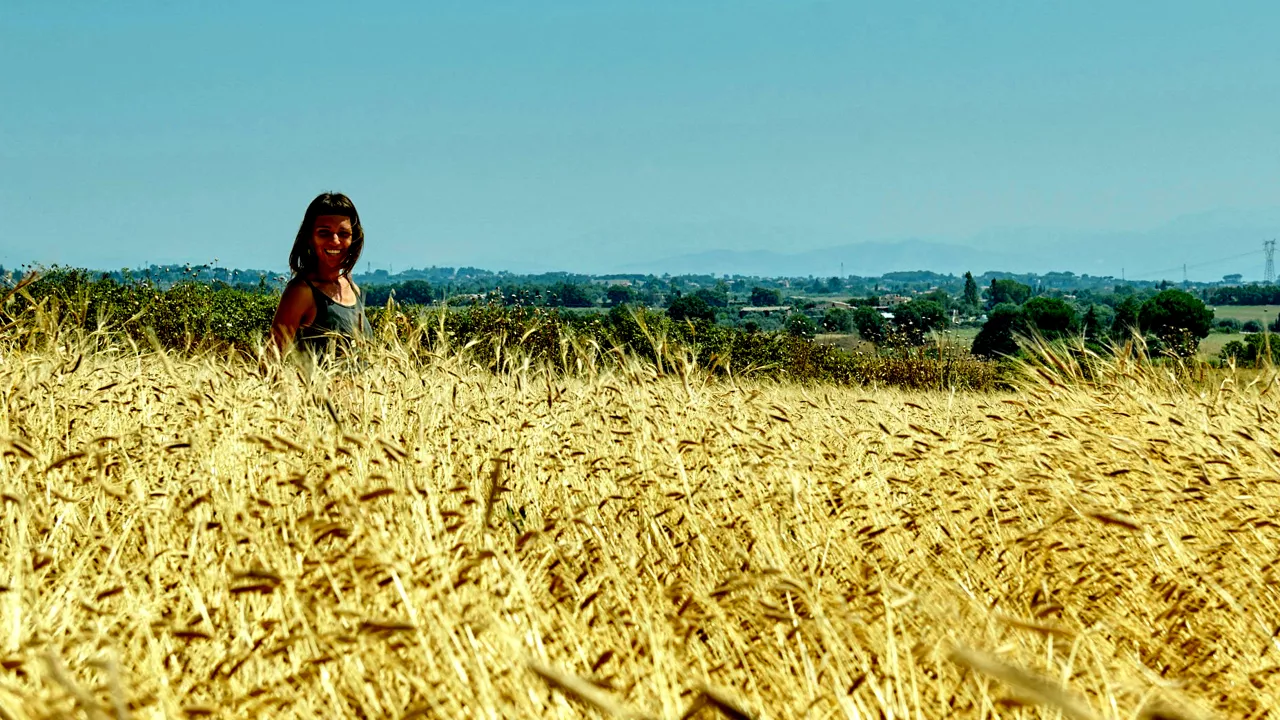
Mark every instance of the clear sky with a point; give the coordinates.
(581, 135)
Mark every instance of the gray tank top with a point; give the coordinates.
(336, 325)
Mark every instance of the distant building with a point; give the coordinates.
(765, 310)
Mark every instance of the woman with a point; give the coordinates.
(322, 308)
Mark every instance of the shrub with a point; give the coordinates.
(1227, 325)
(1251, 353)
(837, 320)
(192, 317)
(799, 325)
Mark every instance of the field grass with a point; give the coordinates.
(202, 537)
(1212, 345)
(1244, 313)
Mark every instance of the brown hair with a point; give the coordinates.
(302, 258)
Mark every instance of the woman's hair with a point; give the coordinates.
(302, 258)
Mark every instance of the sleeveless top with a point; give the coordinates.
(335, 326)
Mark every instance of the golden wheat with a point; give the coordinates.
(200, 537)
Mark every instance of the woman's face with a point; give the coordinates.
(331, 239)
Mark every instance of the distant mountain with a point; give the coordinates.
(1210, 244)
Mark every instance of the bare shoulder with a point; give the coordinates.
(354, 286)
(297, 303)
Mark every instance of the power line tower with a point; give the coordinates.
(1269, 249)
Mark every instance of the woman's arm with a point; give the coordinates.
(296, 310)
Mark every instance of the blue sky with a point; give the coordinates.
(588, 135)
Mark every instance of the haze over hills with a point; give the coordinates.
(1210, 244)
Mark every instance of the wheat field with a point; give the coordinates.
(203, 537)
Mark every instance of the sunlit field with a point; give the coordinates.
(199, 536)
(1244, 313)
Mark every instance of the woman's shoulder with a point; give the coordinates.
(298, 289)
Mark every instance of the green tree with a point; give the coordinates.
(998, 335)
(715, 297)
(1091, 325)
(908, 324)
(870, 324)
(971, 298)
(1007, 291)
(563, 294)
(799, 325)
(837, 320)
(691, 307)
(766, 297)
(415, 292)
(835, 285)
(1053, 318)
(932, 314)
(939, 296)
(1179, 319)
(1125, 322)
(619, 295)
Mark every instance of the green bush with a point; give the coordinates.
(837, 320)
(801, 326)
(194, 317)
(1253, 351)
(188, 315)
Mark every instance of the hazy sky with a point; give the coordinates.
(583, 134)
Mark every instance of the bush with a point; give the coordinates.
(188, 315)
(837, 320)
(1251, 326)
(194, 317)
(799, 325)
(1251, 353)
(1227, 325)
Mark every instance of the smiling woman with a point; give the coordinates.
(322, 309)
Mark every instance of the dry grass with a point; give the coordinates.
(194, 536)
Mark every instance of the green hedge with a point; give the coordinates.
(193, 316)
